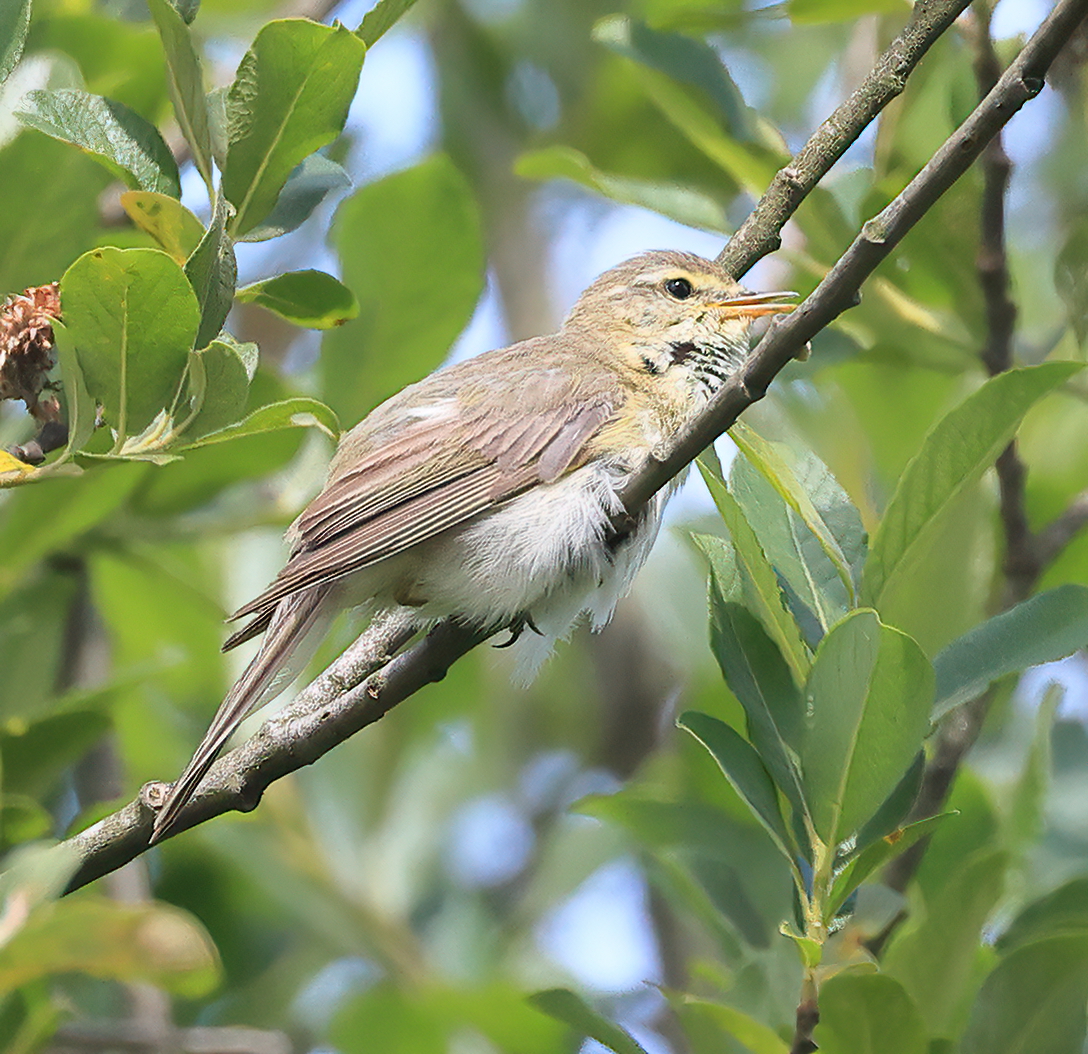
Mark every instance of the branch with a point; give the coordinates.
(362, 686)
(1023, 80)
(1026, 554)
(760, 233)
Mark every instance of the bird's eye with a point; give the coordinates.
(679, 288)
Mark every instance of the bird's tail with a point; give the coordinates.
(281, 656)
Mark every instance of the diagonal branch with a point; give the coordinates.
(361, 686)
(760, 233)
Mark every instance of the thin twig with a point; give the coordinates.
(760, 233)
(321, 717)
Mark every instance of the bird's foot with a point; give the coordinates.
(517, 627)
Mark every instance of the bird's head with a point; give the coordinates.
(673, 311)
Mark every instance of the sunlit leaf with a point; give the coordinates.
(133, 317)
(185, 82)
(381, 18)
(169, 222)
(868, 701)
(778, 472)
(14, 23)
(290, 413)
(306, 298)
(290, 98)
(875, 856)
(682, 204)
(954, 454)
(128, 145)
(772, 612)
(1041, 629)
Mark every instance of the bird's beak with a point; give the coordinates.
(755, 305)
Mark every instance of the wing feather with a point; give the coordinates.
(430, 477)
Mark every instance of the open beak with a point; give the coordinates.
(755, 305)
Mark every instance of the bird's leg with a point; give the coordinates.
(517, 627)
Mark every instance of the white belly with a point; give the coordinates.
(542, 554)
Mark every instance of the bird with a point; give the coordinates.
(487, 491)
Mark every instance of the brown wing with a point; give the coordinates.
(430, 477)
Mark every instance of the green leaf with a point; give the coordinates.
(686, 81)
(212, 271)
(169, 222)
(187, 9)
(119, 138)
(306, 298)
(812, 586)
(1064, 911)
(290, 413)
(48, 519)
(36, 756)
(682, 59)
(421, 227)
(814, 12)
(1027, 814)
(1034, 1001)
(670, 199)
(874, 856)
(754, 1035)
(776, 469)
(766, 595)
(868, 1014)
(304, 190)
(185, 81)
(132, 315)
(744, 769)
(721, 867)
(934, 955)
(14, 23)
(1040, 629)
(896, 807)
(389, 1019)
(754, 669)
(110, 940)
(381, 18)
(565, 1006)
(726, 581)
(1071, 277)
(220, 380)
(956, 452)
(33, 622)
(868, 701)
(290, 98)
(80, 410)
(64, 184)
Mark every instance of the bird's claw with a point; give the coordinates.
(517, 628)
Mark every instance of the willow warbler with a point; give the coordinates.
(485, 491)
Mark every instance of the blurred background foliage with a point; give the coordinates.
(476, 845)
